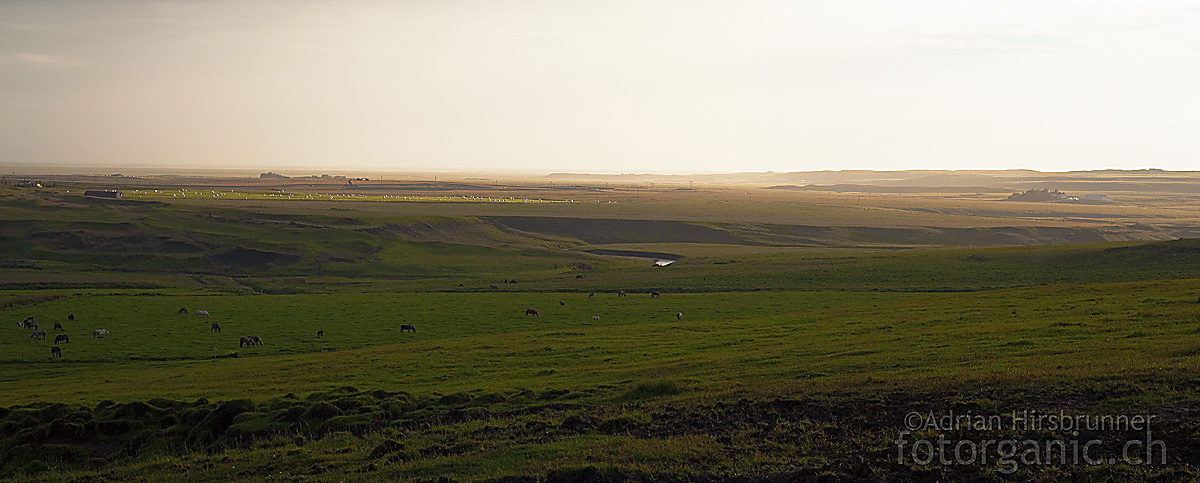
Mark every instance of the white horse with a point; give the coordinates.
(99, 333)
(202, 312)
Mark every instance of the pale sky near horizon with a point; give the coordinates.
(614, 86)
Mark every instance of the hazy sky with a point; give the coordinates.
(614, 86)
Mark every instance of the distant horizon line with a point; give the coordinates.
(317, 171)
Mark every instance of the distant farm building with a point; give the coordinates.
(1043, 196)
(1055, 196)
(111, 194)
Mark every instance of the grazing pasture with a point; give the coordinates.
(1135, 342)
(480, 340)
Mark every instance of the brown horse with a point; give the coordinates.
(215, 327)
(61, 338)
(404, 327)
(58, 326)
(250, 340)
(655, 294)
(55, 351)
(532, 312)
(38, 334)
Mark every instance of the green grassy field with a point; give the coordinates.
(792, 360)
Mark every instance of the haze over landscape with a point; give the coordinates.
(600, 87)
(592, 242)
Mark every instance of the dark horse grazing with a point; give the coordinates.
(593, 294)
(579, 277)
(58, 326)
(561, 303)
(531, 312)
(250, 340)
(55, 351)
(38, 334)
(404, 327)
(621, 294)
(215, 327)
(320, 333)
(71, 316)
(183, 310)
(655, 294)
(61, 338)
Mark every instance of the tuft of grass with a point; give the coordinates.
(650, 390)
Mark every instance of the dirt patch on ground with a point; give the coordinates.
(251, 257)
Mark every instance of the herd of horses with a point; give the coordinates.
(250, 340)
(596, 318)
(55, 350)
(253, 340)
